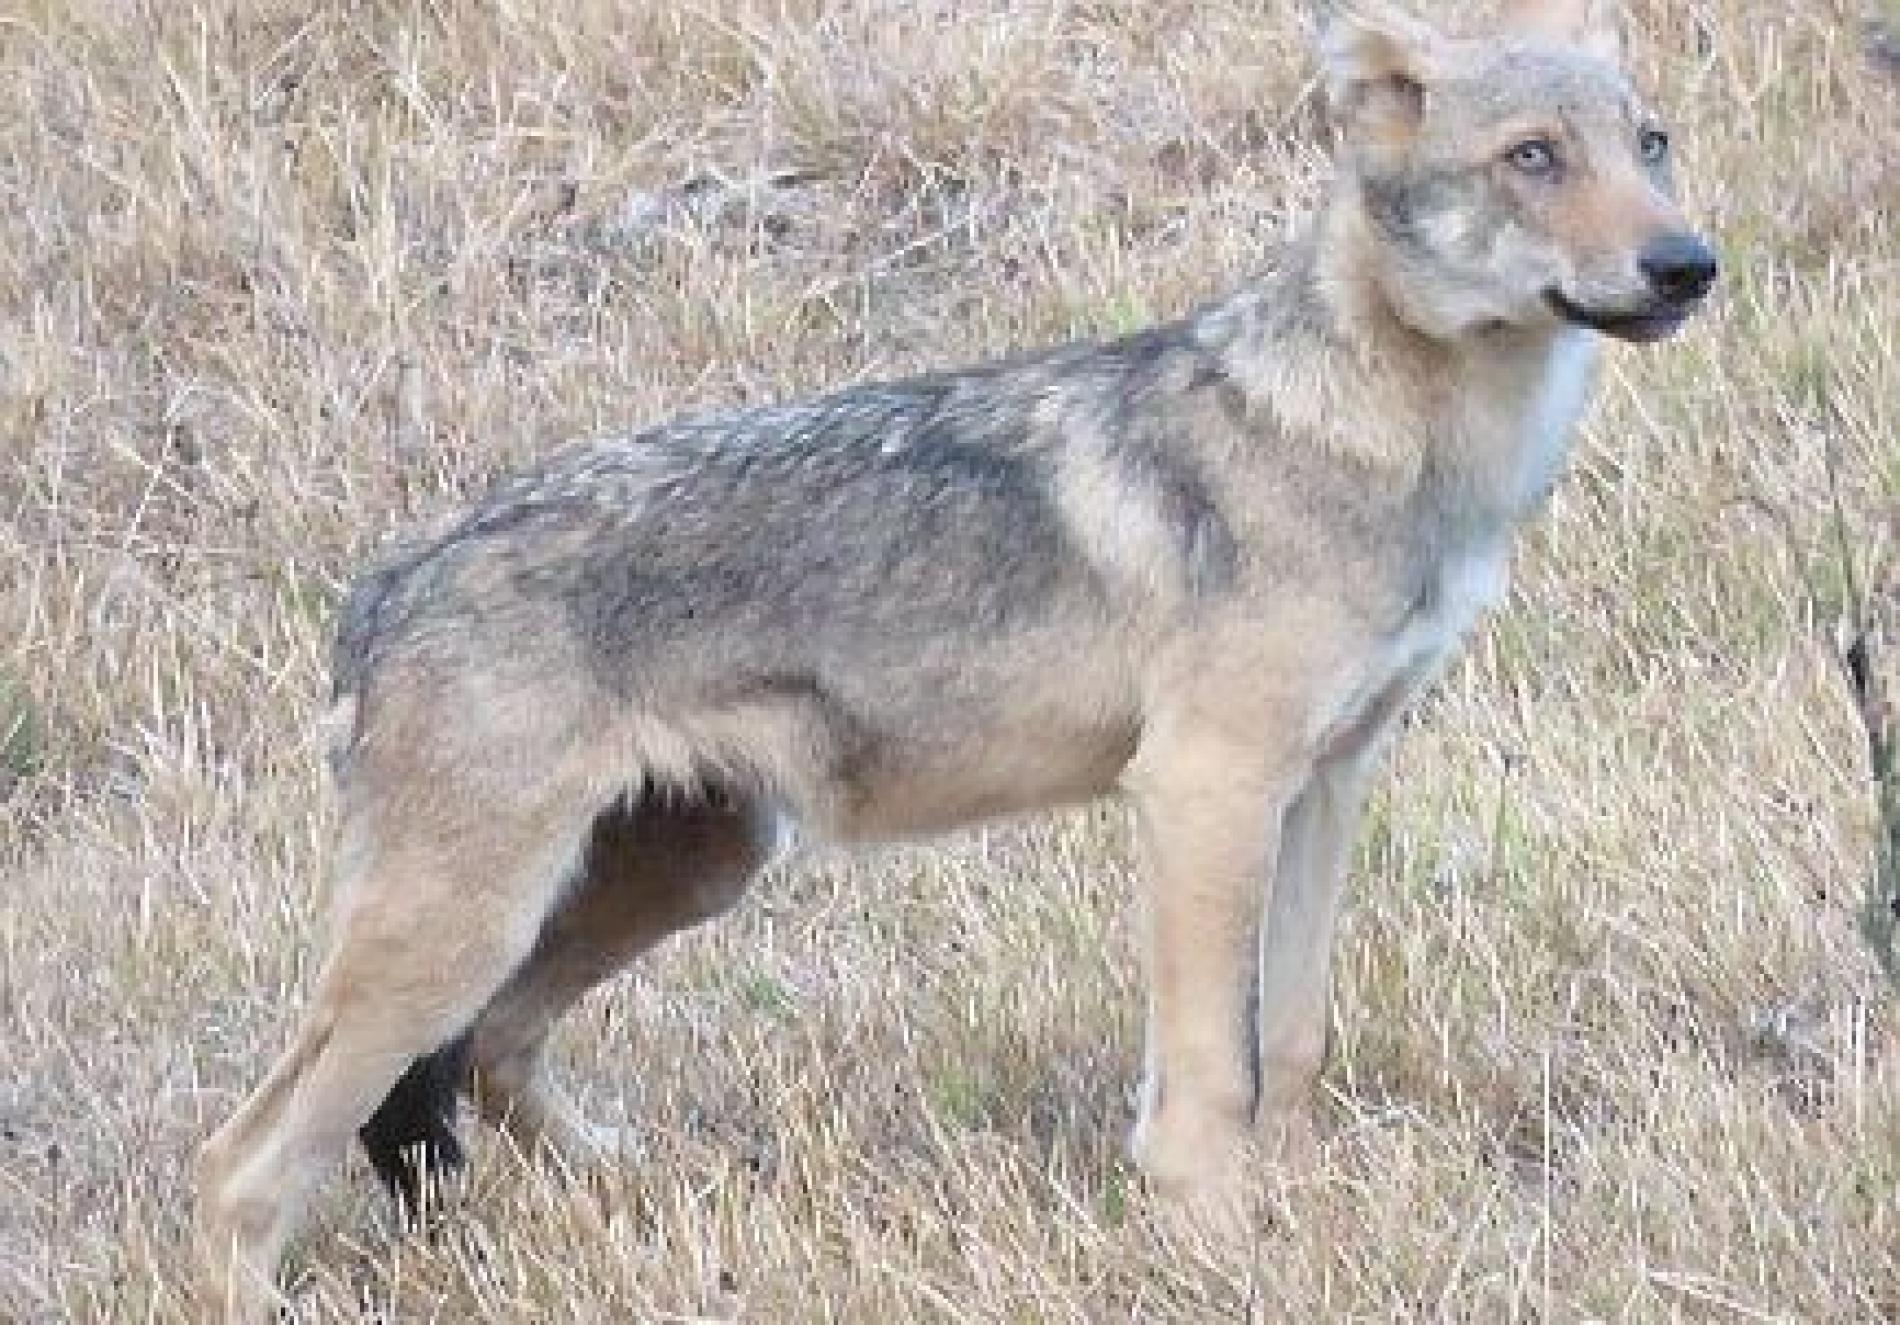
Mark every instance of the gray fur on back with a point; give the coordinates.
(784, 539)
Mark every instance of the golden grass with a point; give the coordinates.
(275, 278)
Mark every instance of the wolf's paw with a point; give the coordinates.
(1200, 1175)
(550, 1131)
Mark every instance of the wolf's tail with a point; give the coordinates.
(412, 1133)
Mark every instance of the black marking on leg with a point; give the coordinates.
(412, 1132)
(1250, 1044)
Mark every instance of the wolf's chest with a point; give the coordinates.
(1518, 449)
(1410, 655)
(1452, 598)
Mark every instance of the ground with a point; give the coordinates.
(277, 278)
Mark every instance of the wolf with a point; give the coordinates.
(1206, 566)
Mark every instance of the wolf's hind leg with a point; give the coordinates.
(653, 867)
(437, 917)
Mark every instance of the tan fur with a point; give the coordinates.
(1209, 570)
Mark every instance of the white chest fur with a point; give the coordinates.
(1546, 429)
(1466, 583)
(1456, 592)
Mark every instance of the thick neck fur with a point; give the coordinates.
(1324, 345)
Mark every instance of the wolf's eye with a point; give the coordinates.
(1534, 156)
(1654, 144)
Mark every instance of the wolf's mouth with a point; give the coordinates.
(1643, 325)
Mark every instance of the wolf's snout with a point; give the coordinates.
(1680, 267)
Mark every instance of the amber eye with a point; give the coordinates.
(1534, 156)
(1654, 144)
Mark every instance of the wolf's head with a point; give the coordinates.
(1511, 179)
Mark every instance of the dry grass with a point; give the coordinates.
(275, 278)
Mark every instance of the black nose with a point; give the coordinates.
(1681, 268)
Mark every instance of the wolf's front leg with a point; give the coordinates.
(1209, 822)
(1297, 953)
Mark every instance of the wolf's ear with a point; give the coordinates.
(1377, 63)
(1589, 25)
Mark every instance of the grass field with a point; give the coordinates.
(277, 278)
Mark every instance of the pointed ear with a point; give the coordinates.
(1588, 25)
(1377, 64)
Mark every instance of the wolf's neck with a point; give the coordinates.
(1490, 412)
(1506, 434)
